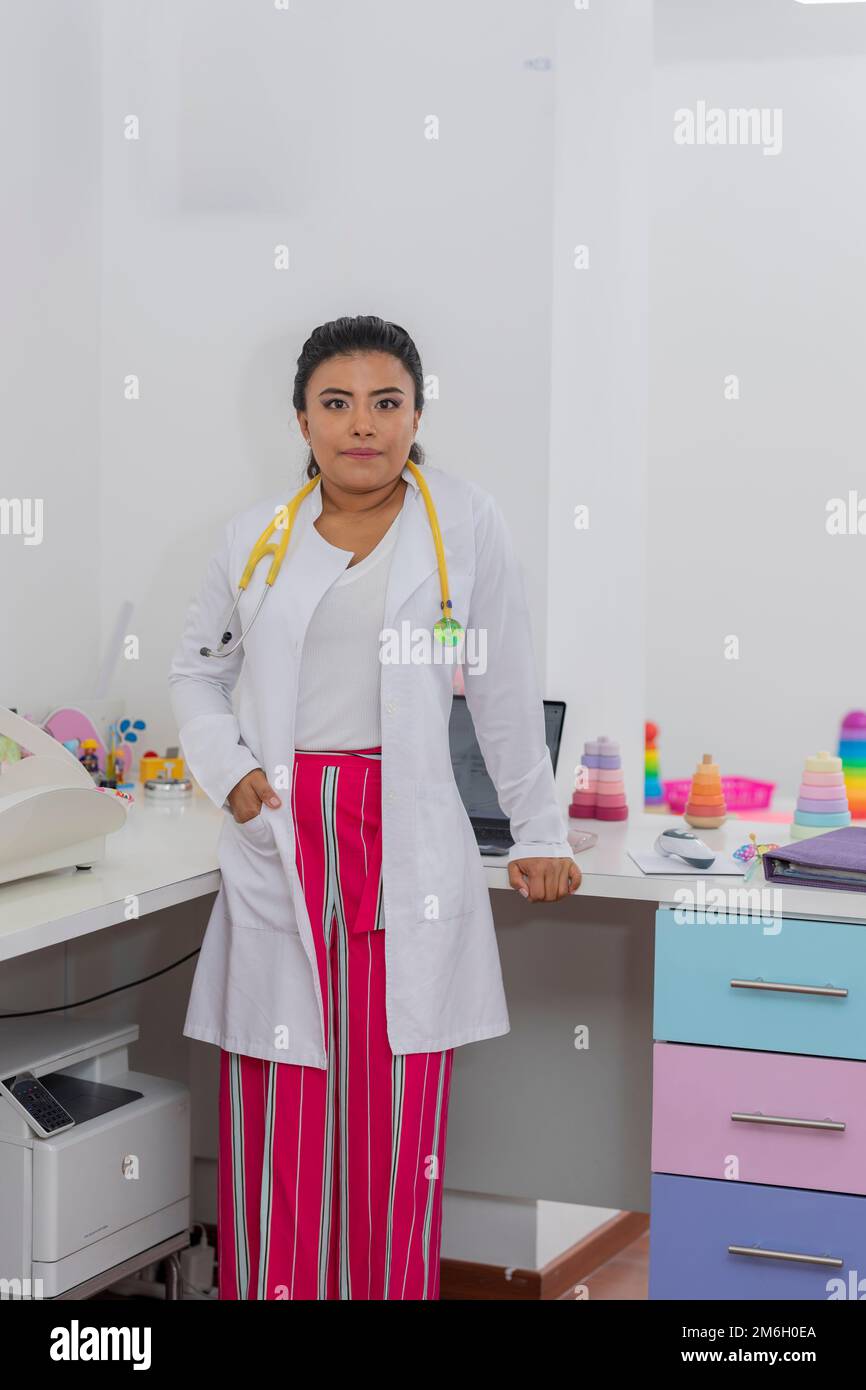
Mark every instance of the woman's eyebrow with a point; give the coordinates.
(382, 391)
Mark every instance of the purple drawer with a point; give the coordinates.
(694, 1221)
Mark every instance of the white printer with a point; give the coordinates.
(110, 1186)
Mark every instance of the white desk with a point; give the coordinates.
(164, 855)
(167, 854)
(555, 1122)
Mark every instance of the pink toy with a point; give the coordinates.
(69, 722)
(599, 792)
(740, 793)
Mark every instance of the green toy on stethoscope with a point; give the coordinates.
(447, 630)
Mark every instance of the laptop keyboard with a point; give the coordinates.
(492, 832)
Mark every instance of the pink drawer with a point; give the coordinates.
(696, 1090)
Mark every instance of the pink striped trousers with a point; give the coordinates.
(330, 1181)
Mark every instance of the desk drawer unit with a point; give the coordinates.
(759, 1108)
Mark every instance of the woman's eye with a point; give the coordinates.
(338, 400)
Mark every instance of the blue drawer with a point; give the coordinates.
(695, 1001)
(693, 1221)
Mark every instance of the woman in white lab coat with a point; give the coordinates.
(351, 947)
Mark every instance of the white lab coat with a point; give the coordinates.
(256, 987)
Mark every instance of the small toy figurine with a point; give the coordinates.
(752, 855)
(119, 733)
(121, 757)
(89, 758)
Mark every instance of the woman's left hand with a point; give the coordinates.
(544, 880)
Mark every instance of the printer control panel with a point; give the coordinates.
(43, 1111)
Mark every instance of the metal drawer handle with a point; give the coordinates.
(759, 1119)
(827, 1261)
(827, 990)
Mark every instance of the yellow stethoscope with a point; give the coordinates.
(447, 630)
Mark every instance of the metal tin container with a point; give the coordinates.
(168, 788)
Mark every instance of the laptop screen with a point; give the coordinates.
(476, 789)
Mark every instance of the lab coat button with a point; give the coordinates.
(390, 706)
(390, 796)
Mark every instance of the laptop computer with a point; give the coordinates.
(489, 821)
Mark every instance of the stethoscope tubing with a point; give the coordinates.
(230, 651)
(265, 546)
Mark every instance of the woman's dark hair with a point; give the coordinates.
(344, 336)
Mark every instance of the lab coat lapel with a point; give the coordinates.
(414, 556)
(276, 642)
(308, 571)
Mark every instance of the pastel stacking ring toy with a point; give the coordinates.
(601, 794)
(852, 751)
(705, 808)
(610, 802)
(586, 786)
(822, 803)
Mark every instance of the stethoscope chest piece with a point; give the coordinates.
(447, 631)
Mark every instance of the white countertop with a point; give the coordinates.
(167, 854)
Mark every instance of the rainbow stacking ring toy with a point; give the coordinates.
(852, 751)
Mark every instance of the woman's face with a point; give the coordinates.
(360, 419)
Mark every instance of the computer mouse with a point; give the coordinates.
(684, 844)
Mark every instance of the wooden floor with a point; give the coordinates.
(624, 1277)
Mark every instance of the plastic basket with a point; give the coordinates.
(740, 793)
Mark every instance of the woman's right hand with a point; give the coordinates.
(247, 796)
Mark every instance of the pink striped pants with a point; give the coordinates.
(330, 1181)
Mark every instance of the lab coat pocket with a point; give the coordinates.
(257, 892)
(255, 829)
(442, 887)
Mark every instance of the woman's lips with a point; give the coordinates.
(362, 453)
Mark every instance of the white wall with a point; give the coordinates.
(154, 257)
(599, 380)
(756, 269)
(50, 114)
(259, 128)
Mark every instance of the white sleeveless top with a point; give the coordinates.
(339, 683)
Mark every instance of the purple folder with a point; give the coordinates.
(836, 859)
